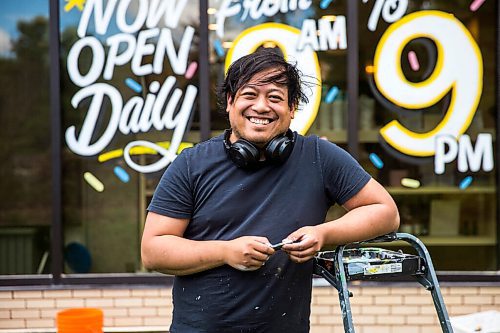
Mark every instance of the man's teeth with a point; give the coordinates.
(259, 121)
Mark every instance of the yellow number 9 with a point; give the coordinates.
(459, 67)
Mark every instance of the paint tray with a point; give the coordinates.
(371, 263)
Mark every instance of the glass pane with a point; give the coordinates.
(129, 88)
(25, 172)
(427, 115)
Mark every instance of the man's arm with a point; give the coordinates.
(164, 249)
(370, 213)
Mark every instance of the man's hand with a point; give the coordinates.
(248, 253)
(307, 241)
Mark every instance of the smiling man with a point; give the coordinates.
(221, 204)
(259, 110)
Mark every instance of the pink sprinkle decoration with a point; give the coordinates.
(412, 58)
(476, 4)
(191, 70)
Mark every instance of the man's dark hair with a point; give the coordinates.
(242, 70)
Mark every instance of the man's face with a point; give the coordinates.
(259, 112)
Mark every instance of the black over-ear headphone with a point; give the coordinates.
(247, 155)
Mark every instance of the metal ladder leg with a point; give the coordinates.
(345, 304)
(429, 280)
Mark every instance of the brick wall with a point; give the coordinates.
(397, 309)
(375, 308)
(121, 307)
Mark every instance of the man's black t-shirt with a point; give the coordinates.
(224, 202)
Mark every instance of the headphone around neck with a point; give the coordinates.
(246, 155)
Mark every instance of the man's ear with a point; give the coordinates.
(293, 109)
(229, 101)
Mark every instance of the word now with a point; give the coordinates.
(148, 15)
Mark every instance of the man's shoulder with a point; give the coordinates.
(312, 140)
(205, 153)
(322, 142)
(320, 148)
(209, 146)
(306, 139)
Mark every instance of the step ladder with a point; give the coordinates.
(356, 262)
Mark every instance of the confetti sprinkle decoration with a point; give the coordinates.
(72, 3)
(134, 85)
(409, 182)
(141, 151)
(92, 180)
(465, 183)
(218, 48)
(377, 162)
(332, 94)
(476, 4)
(121, 174)
(325, 3)
(191, 70)
(412, 58)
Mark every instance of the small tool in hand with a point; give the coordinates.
(278, 246)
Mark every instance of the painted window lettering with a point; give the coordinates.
(255, 9)
(459, 68)
(332, 35)
(162, 107)
(473, 158)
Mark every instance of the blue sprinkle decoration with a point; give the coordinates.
(121, 174)
(465, 182)
(218, 48)
(332, 94)
(325, 3)
(134, 85)
(377, 162)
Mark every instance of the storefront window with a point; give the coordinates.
(25, 172)
(129, 89)
(427, 122)
(131, 83)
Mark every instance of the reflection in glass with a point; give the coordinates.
(25, 172)
(138, 77)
